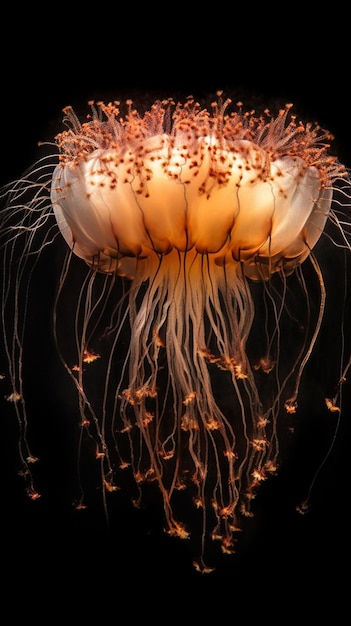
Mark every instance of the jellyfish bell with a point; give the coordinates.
(192, 209)
(186, 191)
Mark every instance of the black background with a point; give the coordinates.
(53, 560)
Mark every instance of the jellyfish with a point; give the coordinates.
(194, 230)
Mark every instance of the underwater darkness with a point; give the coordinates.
(278, 548)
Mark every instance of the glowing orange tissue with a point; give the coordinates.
(192, 226)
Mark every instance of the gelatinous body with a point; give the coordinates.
(204, 217)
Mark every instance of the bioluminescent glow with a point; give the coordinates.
(198, 232)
